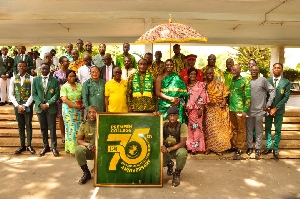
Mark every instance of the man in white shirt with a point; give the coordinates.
(84, 72)
(20, 95)
(6, 72)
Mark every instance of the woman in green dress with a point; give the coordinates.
(172, 92)
(70, 94)
(93, 90)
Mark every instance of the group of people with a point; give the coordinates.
(205, 110)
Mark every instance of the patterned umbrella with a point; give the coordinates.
(170, 33)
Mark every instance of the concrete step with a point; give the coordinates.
(14, 125)
(283, 154)
(14, 133)
(36, 142)
(11, 149)
(10, 117)
(289, 127)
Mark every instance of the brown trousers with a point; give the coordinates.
(238, 124)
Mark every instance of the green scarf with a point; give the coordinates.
(148, 85)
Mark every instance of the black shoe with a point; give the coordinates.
(10, 103)
(249, 151)
(254, 139)
(86, 175)
(176, 178)
(170, 166)
(232, 149)
(20, 150)
(257, 152)
(55, 152)
(31, 150)
(238, 152)
(43, 151)
(266, 151)
(276, 154)
(2, 103)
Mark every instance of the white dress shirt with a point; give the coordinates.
(277, 82)
(84, 73)
(11, 91)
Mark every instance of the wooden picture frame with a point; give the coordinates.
(128, 150)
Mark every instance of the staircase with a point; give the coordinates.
(9, 137)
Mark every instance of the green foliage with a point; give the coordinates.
(261, 55)
(114, 50)
(298, 67)
(291, 74)
(11, 49)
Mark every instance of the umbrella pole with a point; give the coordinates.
(170, 51)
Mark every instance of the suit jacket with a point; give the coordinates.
(283, 91)
(28, 60)
(52, 94)
(103, 71)
(7, 67)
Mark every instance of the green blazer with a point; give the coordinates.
(28, 60)
(8, 65)
(52, 94)
(283, 91)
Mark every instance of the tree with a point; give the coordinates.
(298, 67)
(261, 55)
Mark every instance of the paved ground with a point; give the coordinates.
(31, 177)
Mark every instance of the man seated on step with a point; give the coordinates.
(86, 143)
(20, 95)
(174, 135)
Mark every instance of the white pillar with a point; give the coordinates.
(148, 26)
(277, 56)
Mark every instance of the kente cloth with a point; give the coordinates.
(75, 65)
(173, 86)
(197, 97)
(218, 74)
(178, 63)
(216, 123)
(156, 69)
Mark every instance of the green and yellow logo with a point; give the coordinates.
(133, 149)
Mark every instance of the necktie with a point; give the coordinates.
(4, 58)
(45, 84)
(275, 82)
(107, 73)
(21, 57)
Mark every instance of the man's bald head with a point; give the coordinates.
(236, 71)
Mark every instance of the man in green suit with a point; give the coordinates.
(277, 109)
(24, 57)
(45, 92)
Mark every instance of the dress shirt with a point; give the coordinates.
(277, 82)
(84, 73)
(11, 91)
(109, 71)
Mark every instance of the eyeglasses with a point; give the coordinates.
(88, 45)
(211, 58)
(118, 72)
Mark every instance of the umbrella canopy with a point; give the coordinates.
(170, 33)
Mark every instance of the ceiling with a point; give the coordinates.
(57, 22)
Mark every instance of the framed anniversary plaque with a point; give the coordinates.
(128, 150)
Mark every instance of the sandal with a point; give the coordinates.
(217, 153)
(207, 152)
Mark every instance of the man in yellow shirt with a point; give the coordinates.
(115, 93)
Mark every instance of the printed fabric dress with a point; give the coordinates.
(198, 96)
(72, 117)
(216, 119)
